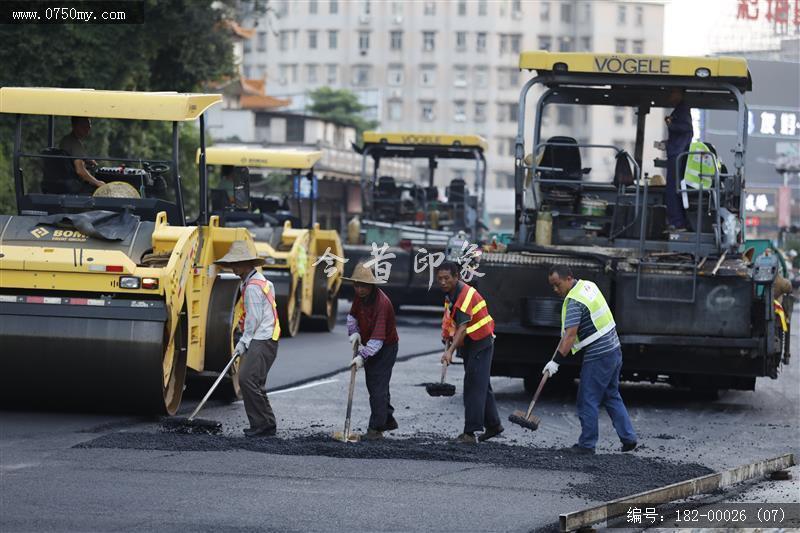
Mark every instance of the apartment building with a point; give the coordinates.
(450, 65)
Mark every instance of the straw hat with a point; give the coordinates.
(240, 252)
(362, 274)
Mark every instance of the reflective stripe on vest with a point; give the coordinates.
(589, 295)
(700, 167)
(481, 324)
(276, 328)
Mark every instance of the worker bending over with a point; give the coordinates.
(468, 327)
(258, 345)
(588, 325)
(372, 331)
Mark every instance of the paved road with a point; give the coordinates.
(133, 477)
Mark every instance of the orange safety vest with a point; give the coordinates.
(276, 330)
(469, 301)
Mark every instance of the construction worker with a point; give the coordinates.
(680, 132)
(258, 345)
(72, 144)
(588, 325)
(372, 331)
(468, 327)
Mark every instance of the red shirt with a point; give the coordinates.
(375, 317)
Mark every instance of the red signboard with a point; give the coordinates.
(777, 11)
(752, 222)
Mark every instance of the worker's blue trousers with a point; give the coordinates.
(599, 386)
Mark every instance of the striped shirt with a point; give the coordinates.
(579, 315)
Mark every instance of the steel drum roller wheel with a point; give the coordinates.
(324, 305)
(222, 334)
(289, 310)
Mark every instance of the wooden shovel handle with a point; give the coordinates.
(536, 395)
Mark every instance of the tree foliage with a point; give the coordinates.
(340, 105)
(182, 45)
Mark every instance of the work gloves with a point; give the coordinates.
(239, 350)
(355, 339)
(551, 368)
(358, 361)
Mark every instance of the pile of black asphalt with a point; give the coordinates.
(612, 475)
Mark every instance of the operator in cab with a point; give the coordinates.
(72, 144)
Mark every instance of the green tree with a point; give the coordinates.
(182, 45)
(340, 105)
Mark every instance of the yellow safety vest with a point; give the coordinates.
(589, 295)
(700, 167)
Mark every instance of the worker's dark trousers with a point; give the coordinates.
(675, 214)
(599, 386)
(253, 369)
(378, 373)
(480, 409)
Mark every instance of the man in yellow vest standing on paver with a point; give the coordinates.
(260, 330)
(587, 324)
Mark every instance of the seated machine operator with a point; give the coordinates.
(72, 145)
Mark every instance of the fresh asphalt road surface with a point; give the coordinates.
(133, 477)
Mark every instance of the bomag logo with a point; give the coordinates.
(632, 65)
(39, 232)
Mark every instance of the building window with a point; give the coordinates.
(459, 111)
(363, 41)
(294, 39)
(544, 11)
(283, 74)
(395, 110)
(460, 76)
(395, 75)
(333, 74)
(247, 46)
(427, 76)
(516, 42)
(504, 180)
(396, 40)
(513, 77)
(621, 14)
(283, 40)
(639, 15)
(462, 8)
(361, 75)
(480, 42)
(482, 10)
(365, 7)
(311, 71)
(312, 7)
(637, 47)
(619, 115)
(428, 41)
(333, 39)
(503, 43)
(565, 44)
(587, 12)
(312, 39)
(507, 111)
(430, 8)
(516, 8)
(545, 42)
(566, 13)
(620, 45)
(480, 111)
(333, 6)
(283, 8)
(481, 77)
(293, 70)
(427, 108)
(261, 71)
(247, 70)
(565, 113)
(397, 9)
(586, 44)
(295, 130)
(461, 41)
(261, 45)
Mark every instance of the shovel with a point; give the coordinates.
(200, 425)
(346, 436)
(441, 388)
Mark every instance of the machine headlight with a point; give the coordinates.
(129, 282)
(702, 72)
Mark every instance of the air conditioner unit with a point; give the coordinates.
(398, 19)
(363, 19)
(460, 118)
(396, 93)
(516, 15)
(460, 83)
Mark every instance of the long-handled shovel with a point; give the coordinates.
(441, 388)
(346, 436)
(199, 425)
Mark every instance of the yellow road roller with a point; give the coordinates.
(108, 296)
(301, 262)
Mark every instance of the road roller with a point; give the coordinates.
(304, 263)
(109, 296)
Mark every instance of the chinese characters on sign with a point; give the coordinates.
(779, 12)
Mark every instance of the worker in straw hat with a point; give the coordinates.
(372, 330)
(258, 345)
